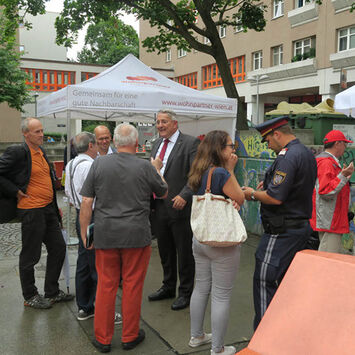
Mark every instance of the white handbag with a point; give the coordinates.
(214, 220)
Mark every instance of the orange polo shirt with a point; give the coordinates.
(39, 190)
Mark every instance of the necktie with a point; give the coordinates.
(163, 150)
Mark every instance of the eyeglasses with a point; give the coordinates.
(232, 145)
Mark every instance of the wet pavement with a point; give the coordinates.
(57, 331)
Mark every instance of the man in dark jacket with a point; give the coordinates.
(25, 174)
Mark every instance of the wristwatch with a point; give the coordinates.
(252, 196)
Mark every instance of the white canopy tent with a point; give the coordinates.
(345, 102)
(131, 91)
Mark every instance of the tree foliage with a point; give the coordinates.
(13, 89)
(107, 42)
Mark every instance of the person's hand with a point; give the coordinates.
(348, 170)
(157, 163)
(20, 195)
(178, 202)
(260, 185)
(247, 192)
(231, 162)
(235, 205)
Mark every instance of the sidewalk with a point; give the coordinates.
(57, 331)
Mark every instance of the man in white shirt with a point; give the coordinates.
(76, 172)
(103, 139)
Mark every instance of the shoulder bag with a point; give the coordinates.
(214, 220)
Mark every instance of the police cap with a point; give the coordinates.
(270, 125)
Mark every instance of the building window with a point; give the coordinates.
(168, 55)
(304, 49)
(278, 8)
(238, 27)
(189, 80)
(257, 60)
(87, 75)
(301, 3)
(21, 48)
(211, 77)
(222, 31)
(206, 40)
(277, 55)
(181, 53)
(346, 39)
(49, 80)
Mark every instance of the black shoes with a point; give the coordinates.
(161, 294)
(103, 348)
(180, 303)
(132, 344)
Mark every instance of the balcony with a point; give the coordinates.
(303, 14)
(341, 5)
(300, 68)
(343, 59)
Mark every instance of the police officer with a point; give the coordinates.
(286, 207)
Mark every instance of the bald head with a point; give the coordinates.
(32, 130)
(103, 139)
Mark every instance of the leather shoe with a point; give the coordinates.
(103, 348)
(180, 303)
(161, 294)
(132, 344)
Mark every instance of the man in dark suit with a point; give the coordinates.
(171, 217)
(26, 174)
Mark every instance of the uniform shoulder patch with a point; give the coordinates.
(283, 151)
(279, 177)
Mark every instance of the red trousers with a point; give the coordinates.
(132, 265)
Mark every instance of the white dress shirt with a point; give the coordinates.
(169, 148)
(80, 172)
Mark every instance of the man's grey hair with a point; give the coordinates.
(82, 141)
(25, 123)
(125, 135)
(170, 113)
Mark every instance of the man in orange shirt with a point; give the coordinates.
(25, 173)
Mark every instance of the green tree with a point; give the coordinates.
(176, 25)
(107, 42)
(13, 89)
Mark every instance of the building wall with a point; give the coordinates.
(10, 122)
(320, 75)
(39, 41)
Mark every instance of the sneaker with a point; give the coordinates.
(103, 348)
(194, 342)
(82, 315)
(227, 350)
(118, 318)
(38, 302)
(61, 297)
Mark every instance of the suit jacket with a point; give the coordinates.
(15, 174)
(176, 172)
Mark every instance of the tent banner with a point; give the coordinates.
(55, 102)
(135, 99)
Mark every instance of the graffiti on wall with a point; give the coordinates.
(250, 146)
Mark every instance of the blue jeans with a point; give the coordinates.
(85, 276)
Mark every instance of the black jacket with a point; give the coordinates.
(15, 172)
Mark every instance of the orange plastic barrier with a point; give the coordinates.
(58, 167)
(313, 311)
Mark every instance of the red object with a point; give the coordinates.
(134, 268)
(312, 311)
(335, 136)
(330, 198)
(201, 137)
(58, 168)
(163, 150)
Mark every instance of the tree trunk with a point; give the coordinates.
(229, 86)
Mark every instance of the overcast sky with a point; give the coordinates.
(57, 6)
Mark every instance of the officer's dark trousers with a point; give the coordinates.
(40, 225)
(272, 259)
(85, 275)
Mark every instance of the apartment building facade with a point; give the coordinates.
(301, 56)
(49, 70)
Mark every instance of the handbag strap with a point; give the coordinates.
(209, 178)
